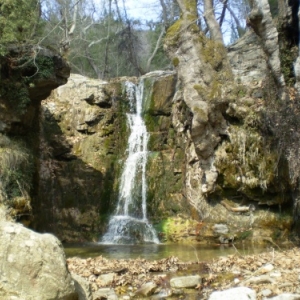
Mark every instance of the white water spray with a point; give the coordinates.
(130, 225)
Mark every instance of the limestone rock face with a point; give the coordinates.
(82, 132)
(27, 77)
(248, 64)
(33, 266)
(83, 140)
(223, 112)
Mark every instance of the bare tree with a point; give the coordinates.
(212, 24)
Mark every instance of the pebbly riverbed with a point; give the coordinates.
(267, 274)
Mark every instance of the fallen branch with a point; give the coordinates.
(235, 209)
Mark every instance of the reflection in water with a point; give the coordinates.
(157, 251)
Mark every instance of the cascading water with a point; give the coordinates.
(130, 225)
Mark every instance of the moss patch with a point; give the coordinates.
(245, 162)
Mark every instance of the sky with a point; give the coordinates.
(145, 9)
(139, 9)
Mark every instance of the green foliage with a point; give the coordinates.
(150, 38)
(41, 67)
(243, 235)
(17, 95)
(172, 35)
(273, 7)
(18, 21)
(16, 169)
(15, 89)
(287, 59)
(246, 161)
(175, 61)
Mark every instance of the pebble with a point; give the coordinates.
(220, 228)
(275, 274)
(146, 289)
(185, 281)
(266, 292)
(266, 268)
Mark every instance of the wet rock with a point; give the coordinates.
(82, 288)
(177, 292)
(220, 229)
(164, 293)
(146, 289)
(106, 279)
(239, 293)
(163, 86)
(286, 296)
(105, 294)
(185, 281)
(223, 239)
(33, 266)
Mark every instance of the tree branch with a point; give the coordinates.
(212, 24)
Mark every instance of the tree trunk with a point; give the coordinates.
(261, 21)
(203, 69)
(212, 24)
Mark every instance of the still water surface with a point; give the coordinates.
(158, 251)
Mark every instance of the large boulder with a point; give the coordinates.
(238, 293)
(33, 266)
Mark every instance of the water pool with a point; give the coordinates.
(158, 251)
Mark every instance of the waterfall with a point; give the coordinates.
(130, 225)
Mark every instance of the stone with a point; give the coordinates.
(105, 293)
(266, 268)
(82, 287)
(286, 296)
(33, 265)
(238, 293)
(248, 63)
(185, 281)
(275, 273)
(226, 239)
(106, 279)
(220, 229)
(146, 289)
(266, 292)
(164, 293)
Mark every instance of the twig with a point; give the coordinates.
(196, 254)
(236, 250)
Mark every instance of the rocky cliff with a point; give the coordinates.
(28, 75)
(33, 265)
(83, 140)
(216, 160)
